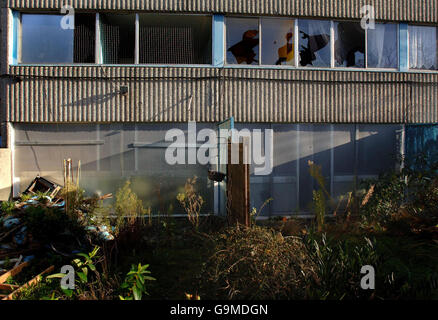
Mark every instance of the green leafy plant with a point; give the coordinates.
(135, 282)
(83, 265)
(7, 207)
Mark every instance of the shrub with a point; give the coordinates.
(128, 207)
(191, 201)
(46, 224)
(256, 263)
(338, 264)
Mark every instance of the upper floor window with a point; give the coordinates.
(349, 45)
(44, 40)
(242, 41)
(314, 43)
(423, 47)
(122, 39)
(278, 45)
(244, 34)
(382, 46)
(310, 43)
(175, 39)
(117, 36)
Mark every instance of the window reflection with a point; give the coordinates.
(44, 41)
(349, 45)
(314, 43)
(278, 41)
(242, 41)
(382, 46)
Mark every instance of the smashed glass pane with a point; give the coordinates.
(278, 41)
(423, 47)
(382, 46)
(242, 40)
(43, 40)
(349, 45)
(314, 43)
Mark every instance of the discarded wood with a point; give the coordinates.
(9, 287)
(13, 272)
(35, 280)
(43, 185)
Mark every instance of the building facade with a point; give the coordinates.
(102, 82)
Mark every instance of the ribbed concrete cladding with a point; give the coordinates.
(85, 94)
(398, 10)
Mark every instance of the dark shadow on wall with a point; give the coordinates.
(92, 100)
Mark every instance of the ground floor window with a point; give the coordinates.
(110, 154)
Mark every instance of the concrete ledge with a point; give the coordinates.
(5, 174)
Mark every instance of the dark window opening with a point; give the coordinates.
(175, 39)
(84, 38)
(349, 45)
(118, 38)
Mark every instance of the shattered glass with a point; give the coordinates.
(314, 43)
(278, 41)
(349, 45)
(242, 41)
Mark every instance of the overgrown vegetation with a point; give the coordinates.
(257, 263)
(390, 224)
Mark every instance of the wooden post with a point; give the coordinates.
(238, 186)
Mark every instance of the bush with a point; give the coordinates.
(405, 268)
(338, 264)
(256, 263)
(47, 224)
(406, 199)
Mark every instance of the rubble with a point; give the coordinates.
(18, 245)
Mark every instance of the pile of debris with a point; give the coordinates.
(18, 245)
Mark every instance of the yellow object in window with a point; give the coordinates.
(286, 52)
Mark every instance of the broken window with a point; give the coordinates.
(349, 44)
(314, 43)
(243, 41)
(175, 39)
(382, 46)
(278, 41)
(85, 38)
(423, 47)
(43, 40)
(118, 38)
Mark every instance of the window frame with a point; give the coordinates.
(98, 44)
(296, 46)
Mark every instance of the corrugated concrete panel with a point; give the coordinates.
(396, 10)
(91, 94)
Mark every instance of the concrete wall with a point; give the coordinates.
(157, 94)
(393, 10)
